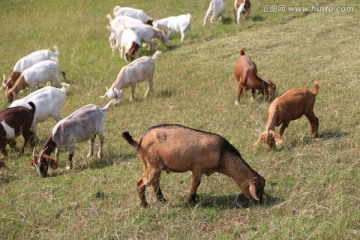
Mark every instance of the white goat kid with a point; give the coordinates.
(217, 7)
(48, 101)
(175, 24)
(138, 71)
(134, 13)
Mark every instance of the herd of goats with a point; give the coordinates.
(167, 147)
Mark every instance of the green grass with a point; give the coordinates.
(312, 185)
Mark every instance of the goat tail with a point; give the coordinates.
(57, 51)
(108, 16)
(116, 9)
(242, 51)
(33, 107)
(156, 54)
(317, 87)
(65, 87)
(126, 135)
(110, 104)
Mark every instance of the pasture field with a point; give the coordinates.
(312, 185)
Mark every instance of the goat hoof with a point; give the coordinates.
(237, 103)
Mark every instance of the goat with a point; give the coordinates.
(176, 148)
(126, 39)
(247, 78)
(134, 13)
(175, 24)
(119, 21)
(13, 122)
(241, 6)
(138, 71)
(3, 164)
(217, 7)
(290, 106)
(82, 125)
(39, 73)
(28, 61)
(48, 101)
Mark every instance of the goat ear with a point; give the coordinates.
(261, 137)
(252, 190)
(276, 137)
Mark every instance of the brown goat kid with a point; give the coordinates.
(247, 78)
(290, 106)
(175, 148)
(13, 122)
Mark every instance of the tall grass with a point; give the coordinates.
(312, 185)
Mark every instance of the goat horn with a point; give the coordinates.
(252, 190)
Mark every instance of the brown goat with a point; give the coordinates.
(241, 6)
(290, 106)
(175, 148)
(247, 78)
(13, 122)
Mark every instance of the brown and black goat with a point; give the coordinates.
(175, 148)
(247, 78)
(290, 106)
(13, 122)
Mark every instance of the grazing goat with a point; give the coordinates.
(290, 106)
(120, 21)
(126, 39)
(39, 73)
(175, 148)
(138, 71)
(134, 13)
(247, 78)
(13, 122)
(2, 164)
(217, 7)
(48, 101)
(28, 61)
(241, 6)
(82, 125)
(175, 24)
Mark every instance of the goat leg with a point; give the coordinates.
(196, 180)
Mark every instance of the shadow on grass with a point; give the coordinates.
(234, 201)
(326, 135)
(7, 177)
(257, 18)
(227, 20)
(94, 163)
(165, 93)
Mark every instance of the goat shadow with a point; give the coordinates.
(7, 177)
(257, 18)
(233, 202)
(326, 135)
(93, 163)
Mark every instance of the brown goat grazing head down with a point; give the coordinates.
(176, 148)
(42, 161)
(271, 138)
(270, 91)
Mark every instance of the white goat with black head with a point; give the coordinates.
(82, 125)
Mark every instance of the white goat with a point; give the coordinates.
(48, 101)
(39, 73)
(82, 125)
(138, 71)
(134, 13)
(28, 61)
(175, 24)
(119, 21)
(217, 7)
(126, 39)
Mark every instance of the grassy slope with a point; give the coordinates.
(311, 189)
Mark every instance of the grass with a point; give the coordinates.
(312, 185)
